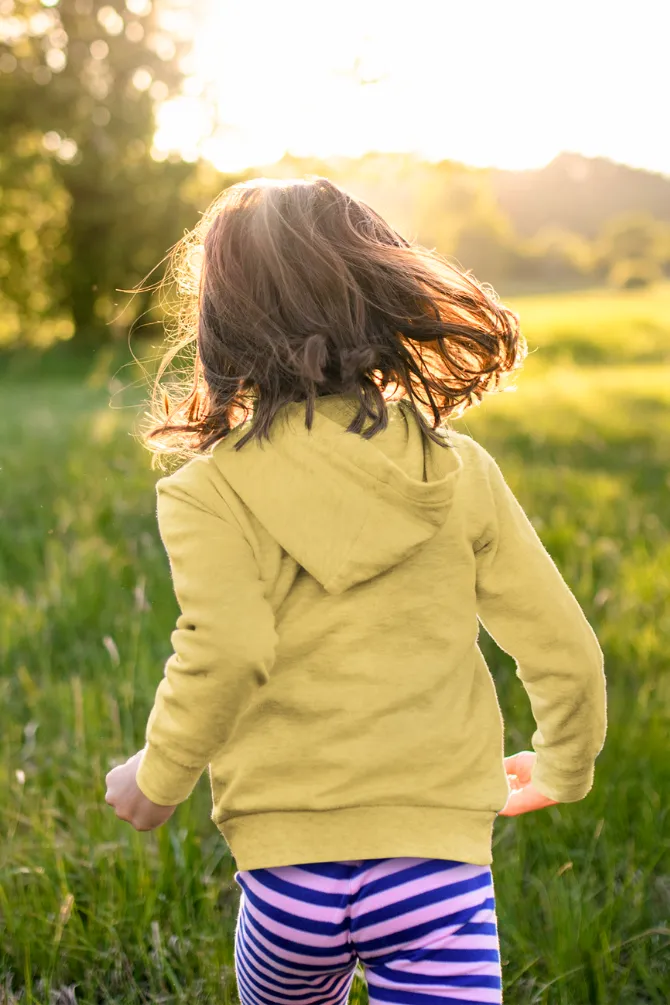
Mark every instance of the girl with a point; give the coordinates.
(331, 579)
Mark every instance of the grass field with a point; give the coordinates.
(92, 912)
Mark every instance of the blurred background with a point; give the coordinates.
(526, 142)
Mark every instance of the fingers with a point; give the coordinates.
(521, 765)
(110, 781)
(127, 800)
(525, 800)
(125, 814)
(113, 795)
(517, 803)
(138, 816)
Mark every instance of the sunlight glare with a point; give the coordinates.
(484, 83)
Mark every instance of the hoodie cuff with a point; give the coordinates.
(564, 787)
(162, 780)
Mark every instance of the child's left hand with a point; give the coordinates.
(130, 803)
(523, 797)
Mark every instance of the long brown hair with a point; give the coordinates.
(292, 289)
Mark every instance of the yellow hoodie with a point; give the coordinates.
(326, 665)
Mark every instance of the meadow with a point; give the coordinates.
(93, 912)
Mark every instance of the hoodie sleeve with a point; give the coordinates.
(224, 641)
(530, 612)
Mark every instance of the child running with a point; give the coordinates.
(334, 546)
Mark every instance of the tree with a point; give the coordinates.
(486, 241)
(559, 256)
(634, 273)
(33, 217)
(85, 75)
(631, 237)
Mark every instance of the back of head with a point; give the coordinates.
(292, 289)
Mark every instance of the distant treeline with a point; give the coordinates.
(86, 211)
(578, 221)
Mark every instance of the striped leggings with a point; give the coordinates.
(423, 930)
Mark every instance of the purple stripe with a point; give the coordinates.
(422, 929)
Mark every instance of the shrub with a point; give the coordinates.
(634, 273)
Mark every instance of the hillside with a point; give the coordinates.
(578, 193)
(572, 192)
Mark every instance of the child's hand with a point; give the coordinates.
(130, 802)
(524, 797)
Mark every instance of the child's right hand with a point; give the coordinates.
(524, 797)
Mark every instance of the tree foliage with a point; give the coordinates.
(87, 209)
(84, 76)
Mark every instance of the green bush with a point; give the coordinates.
(633, 273)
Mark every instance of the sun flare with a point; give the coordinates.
(508, 85)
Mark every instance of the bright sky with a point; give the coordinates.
(509, 83)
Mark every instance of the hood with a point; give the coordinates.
(345, 508)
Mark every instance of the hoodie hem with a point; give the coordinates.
(271, 840)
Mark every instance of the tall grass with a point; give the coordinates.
(92, 912)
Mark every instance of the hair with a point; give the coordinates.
(288, 290)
